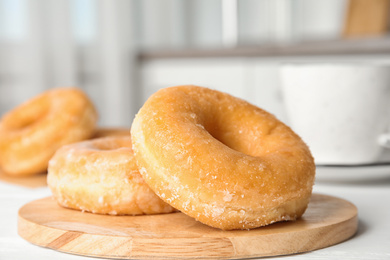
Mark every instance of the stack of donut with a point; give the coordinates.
(214, 157)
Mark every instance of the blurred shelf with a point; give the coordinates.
(353, 46)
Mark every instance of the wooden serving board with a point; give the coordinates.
(327, 221)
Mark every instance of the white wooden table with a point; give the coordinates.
(372, 240)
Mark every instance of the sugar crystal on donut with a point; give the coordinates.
(220, 159)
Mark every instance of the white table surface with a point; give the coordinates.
(372, 240)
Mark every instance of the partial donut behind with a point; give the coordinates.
(101, 176)
(221, 160)
(31, 133)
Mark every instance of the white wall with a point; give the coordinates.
(93, 44)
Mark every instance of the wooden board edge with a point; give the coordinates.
(72, 242)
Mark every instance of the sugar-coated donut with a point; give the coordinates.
(111, 131)
(101, 176)
(31, 133)
(221, 160)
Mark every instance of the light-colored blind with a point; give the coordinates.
(93, 44)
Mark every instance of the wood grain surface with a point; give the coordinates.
(34, 181)
(327, 221)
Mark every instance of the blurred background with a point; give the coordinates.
(121, 51)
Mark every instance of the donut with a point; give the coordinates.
(101, 176)
(111, 131)
(32, 132)
(221, 160)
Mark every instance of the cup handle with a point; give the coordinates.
(384, 140)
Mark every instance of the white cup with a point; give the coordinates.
(341, 110)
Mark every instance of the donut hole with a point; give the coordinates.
(238, 135)
(110, 143)
(233, 123)
(28, 115)
(26, 122)
(230, 140)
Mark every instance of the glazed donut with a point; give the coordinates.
(106, 131)
(32, 132)
(221, 160)
(101, 176)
